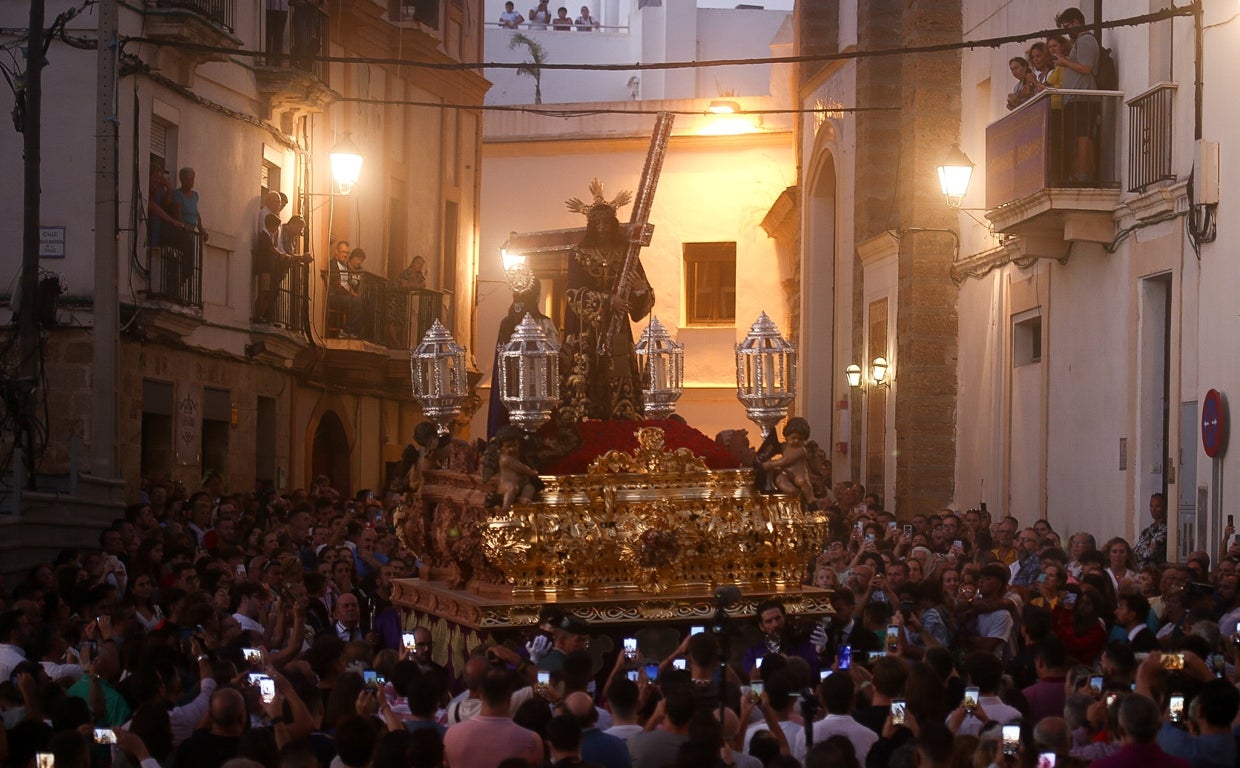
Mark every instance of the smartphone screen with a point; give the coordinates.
(680, 664)
(1111, 697)
(406, 639)
(1176, 707)
(630, 647)
(1095, 685)
(44, 760)
(1047, 760)
(631, 675)
(897, 711)
(1011, 739)
(696, 630)
(756, 688)
(845, 657)
(652, 672)
(241, 570)
(757, 663)
(908, 530)
(823, 674)
(105, 736)
(252, 655)
(970, 698)
(267, 690)
(544, 679)
(370, 677)
(254, 678)
(893, 638)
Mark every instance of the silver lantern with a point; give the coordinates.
(766, 373)
(662, 363)
(437, 370)
(529, 375)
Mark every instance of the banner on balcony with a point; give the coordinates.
(1017, 154)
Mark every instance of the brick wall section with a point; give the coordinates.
(879, 83)
(816, 30)
(927, 322)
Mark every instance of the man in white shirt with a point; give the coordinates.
(986, 672)
(779, 695)
(838, 696)
(14, 633)
(248, 598)
(622, 697)
(994, 627)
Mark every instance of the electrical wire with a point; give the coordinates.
(989, 42)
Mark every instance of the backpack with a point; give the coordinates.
(1106, 76)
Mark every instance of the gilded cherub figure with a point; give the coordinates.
(515, 476)
(790, 472)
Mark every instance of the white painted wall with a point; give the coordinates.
(711, 189)
(1090, 305)
(671, 32)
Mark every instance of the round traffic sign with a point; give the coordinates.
(1214, 424)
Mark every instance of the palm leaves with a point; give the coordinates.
(533, 68)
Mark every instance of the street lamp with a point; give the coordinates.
(437, 371)
(346, 165)
(662, 363)
(509, 258)
(954, 174)
(766, 374)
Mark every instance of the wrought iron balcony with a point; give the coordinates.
(291, 78)
(1150, 121)
(289, 307)
(385, 313)
(1051, 170)
(175, 272)
(197, 22)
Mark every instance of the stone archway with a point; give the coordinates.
(329, 452)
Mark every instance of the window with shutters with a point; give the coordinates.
(710, 283)
(163, 145)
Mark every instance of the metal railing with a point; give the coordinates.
(175, 272)
(301, 43)
(1150, 121)
(1059, 138)
(383, 312)
(218, 11)
(290, 306)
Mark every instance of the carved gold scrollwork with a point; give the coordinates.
(648, 522)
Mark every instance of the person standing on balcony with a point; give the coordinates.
(562, 21)
(510, 19)
(185, 206)
(540, 17)
(1025, 82)
(1081, 113)
(585, 22)
(160, 190)
(341, 296)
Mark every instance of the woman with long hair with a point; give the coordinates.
(140, 595)
(1122, 566)
(1078, 623)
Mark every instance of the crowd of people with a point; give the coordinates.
(255, 629)
(1064, 61)
(541, 18)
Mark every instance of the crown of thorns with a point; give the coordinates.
(521, 278)
(596, 190)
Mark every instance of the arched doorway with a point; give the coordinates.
(329, 453)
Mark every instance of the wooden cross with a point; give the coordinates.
(554, 244)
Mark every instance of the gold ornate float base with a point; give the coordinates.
(466, 608)
(647, 523)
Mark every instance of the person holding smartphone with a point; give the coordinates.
(985, 672)
(781, 636)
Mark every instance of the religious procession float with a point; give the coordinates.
(592, 499)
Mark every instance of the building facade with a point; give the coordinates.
(723, 248)
(1050, 340)
(209, 375)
